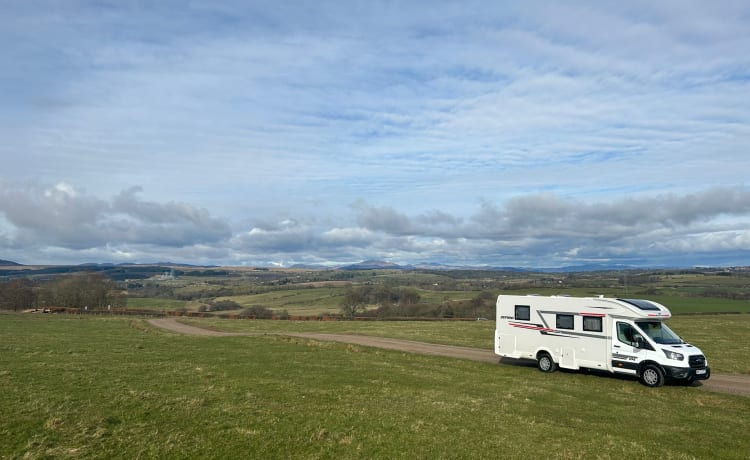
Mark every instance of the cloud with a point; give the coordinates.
(531, 230)
(548, 131)
(528, 229)
(62, 216)
(384, 219)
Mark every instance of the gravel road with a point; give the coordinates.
(721, 383)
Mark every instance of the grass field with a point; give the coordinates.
(723, 338)
(327, 299)
(116, 388)
(305, 301)
(148, 303)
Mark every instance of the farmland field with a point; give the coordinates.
(91, 387)
(155, 304)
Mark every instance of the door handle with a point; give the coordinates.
(616, 346)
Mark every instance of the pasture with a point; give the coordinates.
(723, 338)
(93, 387)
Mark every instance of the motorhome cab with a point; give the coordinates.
(624, 336)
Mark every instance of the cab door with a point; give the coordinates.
(627, 349)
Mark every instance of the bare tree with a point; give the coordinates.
(17, 294)
(354, 301)
(87, 290)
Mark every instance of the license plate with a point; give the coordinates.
(700, 371)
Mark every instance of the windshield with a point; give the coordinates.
(659, 332)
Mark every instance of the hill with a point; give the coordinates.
(375, 265)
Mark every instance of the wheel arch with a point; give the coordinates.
(546, 350)
(645, 363)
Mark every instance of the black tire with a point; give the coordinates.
(652, 376)
(545, 363)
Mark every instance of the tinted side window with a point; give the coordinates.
(592, 323)
(564, 321)
(523, 312)
(626, 334)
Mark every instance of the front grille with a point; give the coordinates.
(697, 361)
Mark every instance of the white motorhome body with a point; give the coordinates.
(624, 336)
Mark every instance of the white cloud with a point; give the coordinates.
(64, 217)
(442, 121)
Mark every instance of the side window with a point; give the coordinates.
(592, 323)
(626, 333)
(523, 312)
(564, 321)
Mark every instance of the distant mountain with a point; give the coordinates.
(310, 267)
(177, 264)
(437, 266)
(382, 265)
(376, 265)
(586, 268)
(8, 263)
(164, 264)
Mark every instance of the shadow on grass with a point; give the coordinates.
(599, 373)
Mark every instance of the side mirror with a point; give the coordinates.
(639, 342)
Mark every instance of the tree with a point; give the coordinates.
(354, 301)
(17, 294)
(257, 311)
(91, 290)
(408, 296)
(483, 304)
(222, 305)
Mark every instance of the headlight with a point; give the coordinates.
(673, 355)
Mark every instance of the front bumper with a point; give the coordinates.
(687, 373)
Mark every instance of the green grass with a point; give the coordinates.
(723, 338)
(683, 305)
(305, 301)
(100, 388)
(115, 388)
(476, 334)
(149, 303)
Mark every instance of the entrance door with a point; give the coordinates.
(625, 347)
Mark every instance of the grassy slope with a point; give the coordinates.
(725, 339)
(94, 388)
(306, 301)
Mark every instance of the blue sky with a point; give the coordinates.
(274, 133)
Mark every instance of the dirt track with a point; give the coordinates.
(722, 383)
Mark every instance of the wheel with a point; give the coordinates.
(652, 376)
(545, 363)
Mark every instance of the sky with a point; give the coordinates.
(526, 134)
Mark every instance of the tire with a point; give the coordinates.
(545, 363)
(652, 376)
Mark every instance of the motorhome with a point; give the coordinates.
(623, 336)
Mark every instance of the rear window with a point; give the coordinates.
(523, 312)
(592, 323)
(564, 321)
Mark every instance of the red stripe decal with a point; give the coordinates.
(532, 327)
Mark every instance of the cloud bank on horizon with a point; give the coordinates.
(481, 134)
